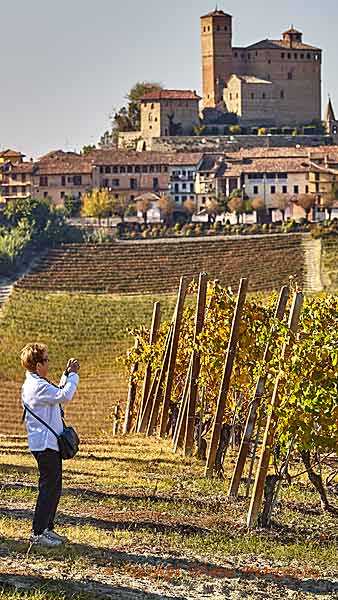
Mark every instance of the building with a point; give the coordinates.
(271, 82)
(331, 121)
(169, 113)
(17, 180)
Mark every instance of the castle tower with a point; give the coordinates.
(216, 35)
(331, 121)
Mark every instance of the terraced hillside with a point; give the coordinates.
(156, 266)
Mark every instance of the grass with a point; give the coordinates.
(142, 518)
(93, 328)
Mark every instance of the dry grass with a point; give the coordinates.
(144, 523)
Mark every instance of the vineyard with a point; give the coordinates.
(254, 375)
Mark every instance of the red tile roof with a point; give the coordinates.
(75, 166)
(120, 157)
(170, 95)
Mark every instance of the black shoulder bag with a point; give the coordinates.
(68, 440)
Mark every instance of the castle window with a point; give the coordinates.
(282, 94)
(208, 28)
(256, 53)
(264, 96)
(283, 55)
(204, 29)
(225, 28)
(290, 75)
(230, 96)
(252, 96)
(218, 28)
(236, 54)
(269, 61)
(308, 56)
(296, 56)
(152, 106)
(289, 55)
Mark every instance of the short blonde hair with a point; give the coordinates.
(31, 355)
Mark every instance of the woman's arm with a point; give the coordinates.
(51, 394)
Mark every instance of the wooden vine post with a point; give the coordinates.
(155, 407)
(131, 394)
(229, 361)
(181, 422)
(259, 391)
(148, 370)
(272, 421)
(144, 418)
(184, 282)
(195, 364)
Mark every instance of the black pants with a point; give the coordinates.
(50, 486)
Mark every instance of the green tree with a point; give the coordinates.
(97, 204)
(87, 149)
(72, 206)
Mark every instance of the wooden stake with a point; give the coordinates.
(116, 419)
(182, 415)
(259, 391)
(184, 282)
(147, 375)
(254, 453)
(229, 361)
(272, 421)
(196, 364)
(131, 394)
(158, 393)
(149, 404)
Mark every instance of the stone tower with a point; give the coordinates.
(216, 35)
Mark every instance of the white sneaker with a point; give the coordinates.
(44, 540)
(56, 536)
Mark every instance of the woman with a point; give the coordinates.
(44, 400)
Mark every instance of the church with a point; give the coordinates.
(269, 83)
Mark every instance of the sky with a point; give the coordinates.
(66, 64)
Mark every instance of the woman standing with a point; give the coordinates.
(44, 400)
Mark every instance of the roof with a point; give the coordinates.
(216, 13)
(292, 31)
(251, 79)
(56, 154)
(24, 167)
(64, 167)
(10, 152)
(171, 95)
(278, 44)
(120, 157)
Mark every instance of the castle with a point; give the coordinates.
(271, 82)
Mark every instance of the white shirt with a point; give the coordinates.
(43, 399)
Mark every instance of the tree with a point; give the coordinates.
(257, 203)
(167, 206)
(97, 204)
(212, 209)
(143, 205)
(119, 206)
(307, 202)
(189, 207)
(282, 201)
(236, 206)
(328, 201)
(72, 206)
(198, 130)
(87, 149)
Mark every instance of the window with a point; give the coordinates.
(177, 198)
(137, 169)
(122, 169)
(115, 169)
(23, 178)
(62, 194)
(152, 106)
(204, 29)
(107, 170)
(289, 55)
(63, 181)
(192, 187)
(269, 61)
(155, 183)
(218, 28)
(264, 96)
(308, 56)
(290, 75)
(133, 184)
(282, 94)
(43, 180)
(283, 55)
(101, 170)
(105, 183)
(115, 182)
(77, 180)
(45, 194)
(151, 169)
(296, 56)
(273, 189)
(14, 177)
(144, 169)
(285, 189)
(296, 189)
(302, 55)
(130, 169)
(184, 186)
(255, 189)
(252, 96)
(23, 190)
(236, 54)
(306, 189)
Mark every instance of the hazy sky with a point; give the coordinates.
(65, 64)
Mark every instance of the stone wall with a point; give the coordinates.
(233, 143)
(329, 264)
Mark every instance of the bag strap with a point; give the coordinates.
(41, 421)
